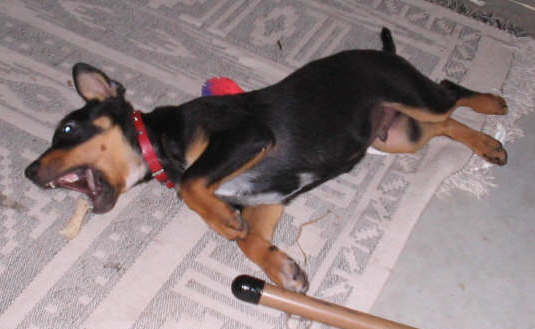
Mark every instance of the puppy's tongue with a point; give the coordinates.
(80, 180)
(69, 178)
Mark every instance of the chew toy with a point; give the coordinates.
(72, 228)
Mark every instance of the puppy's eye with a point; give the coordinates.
(68, 132)
(67, 129)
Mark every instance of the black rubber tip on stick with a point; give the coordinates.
(247, 288)
(256, 291)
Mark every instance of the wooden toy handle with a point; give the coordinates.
(256, 291)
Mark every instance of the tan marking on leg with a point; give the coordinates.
(263, 219)
(281, 269)
(398, 140)
(196, 147)
(482, 144)
(484, 103)
(420, 114)
(222, 218)
(199, 196)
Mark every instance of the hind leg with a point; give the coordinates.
(262, 221)
(447, 97)
(484, 103)
(482, 144)
(407, 135)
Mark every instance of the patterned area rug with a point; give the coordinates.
(151, 262)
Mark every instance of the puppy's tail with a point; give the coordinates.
(388, 41)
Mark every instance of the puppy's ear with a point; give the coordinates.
(93, 84)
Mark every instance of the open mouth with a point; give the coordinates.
(90, 182)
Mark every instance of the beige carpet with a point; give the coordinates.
(152, 263)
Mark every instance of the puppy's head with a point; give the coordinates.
(93, 149)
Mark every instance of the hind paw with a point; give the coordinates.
(497, 105)
(493, 151)
(485, 103)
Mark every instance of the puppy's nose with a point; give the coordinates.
(31, 170)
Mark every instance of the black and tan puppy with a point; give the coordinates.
(237, 159)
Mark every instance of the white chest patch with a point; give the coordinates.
(241, 190)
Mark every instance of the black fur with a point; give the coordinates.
(415, 131)
(388, 41)
(318, 120)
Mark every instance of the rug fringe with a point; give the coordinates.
(482, 16)
(519, 92)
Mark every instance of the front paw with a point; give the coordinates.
(293, 277)
(284, 271)
(234, 228)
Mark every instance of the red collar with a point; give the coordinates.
(148, 152)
